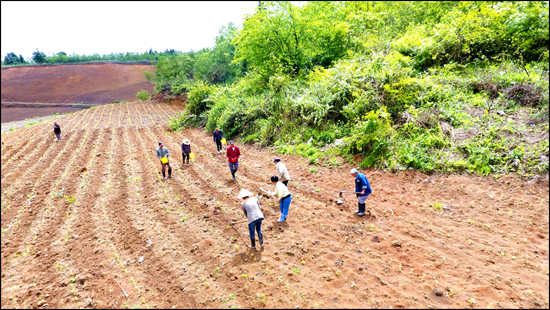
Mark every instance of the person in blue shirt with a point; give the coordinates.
(363, 187)
(218, 135)
(163, 152)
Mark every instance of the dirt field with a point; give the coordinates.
(91, 211)
(86, 83)
(17, 114)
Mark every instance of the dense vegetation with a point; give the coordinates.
(39, 57)
(434, 86)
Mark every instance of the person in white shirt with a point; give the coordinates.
(283, 194)
(284, 177)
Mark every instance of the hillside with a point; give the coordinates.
(89, 213)
(95, 83)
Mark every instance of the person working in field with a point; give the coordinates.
(284, 177)
(218, 136)
(251, 209)
(162, 154)
(283, 194)
(361, 185)
(233, 154)
(185, 150)
(57, 131)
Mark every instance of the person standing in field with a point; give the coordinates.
(284, 177)
(218, 135)
(162, 154)
(361, 185)
(185, 150)
(283, 194)
(251, 209)
(57, 131)
(233, 154)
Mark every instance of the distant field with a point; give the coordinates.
(86, 83)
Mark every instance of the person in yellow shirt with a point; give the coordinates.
(283, 194)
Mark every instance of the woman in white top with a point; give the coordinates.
(251, 209)
(284, 177)
(283, 194)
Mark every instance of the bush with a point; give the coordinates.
(143, 95)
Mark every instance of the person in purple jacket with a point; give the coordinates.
(185, 150)
(57, 131)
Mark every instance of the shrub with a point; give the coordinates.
(143, 95)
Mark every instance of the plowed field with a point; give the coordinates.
(89, 213)
(86, 83)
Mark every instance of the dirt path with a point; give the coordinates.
(13, 125)
(82, 214)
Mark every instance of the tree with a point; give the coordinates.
(215, 65)
(11, 59)
(288, 39)
(38, 57)
(21, 59)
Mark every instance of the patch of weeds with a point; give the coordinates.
(71, 199)
(436, 206)
(313, 170)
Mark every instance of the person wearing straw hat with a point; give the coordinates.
(284, 177)
(361, 185)
(163, 152)
(218, 136)
(283, 194)
(185, 150)
(233, 154)
(251, 209)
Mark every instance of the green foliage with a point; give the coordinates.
(11, 59)
(396, 84)
(38, 57)
(215, 65)
(143, 95)
(370, 137)
(286, 39)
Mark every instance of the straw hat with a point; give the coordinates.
(244, 193)
(186, 141)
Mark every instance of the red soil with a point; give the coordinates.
(87, 83)
(17, 114)
(80, 213)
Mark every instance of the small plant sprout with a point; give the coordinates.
(296, 271)
(511, 212)
(303, 262)
(244, 275)
(472, 301)
(372, 228)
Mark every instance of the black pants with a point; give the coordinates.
(219, 145)
(185, 156)
(285, 182)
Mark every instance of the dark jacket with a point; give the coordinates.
(56, 128)
(185, 149)
(218, 136)
(362, 182)
(233, 153)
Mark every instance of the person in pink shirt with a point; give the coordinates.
(233, 154)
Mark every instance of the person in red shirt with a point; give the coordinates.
(233, 154)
